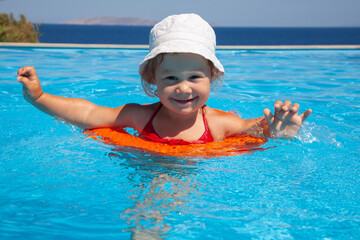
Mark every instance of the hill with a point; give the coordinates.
(112, 21)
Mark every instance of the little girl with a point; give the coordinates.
(179, 69)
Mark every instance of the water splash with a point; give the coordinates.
(313, 133)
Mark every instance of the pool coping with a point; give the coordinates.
(138, 46)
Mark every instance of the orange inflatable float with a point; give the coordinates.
(228, 147)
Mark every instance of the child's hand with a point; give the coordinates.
(31, 84)
(286, 122)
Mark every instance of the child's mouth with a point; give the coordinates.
(184, 101)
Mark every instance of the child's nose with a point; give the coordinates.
(183, 87)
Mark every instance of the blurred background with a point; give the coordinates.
(244, 22)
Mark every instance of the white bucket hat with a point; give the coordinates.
(184, 33)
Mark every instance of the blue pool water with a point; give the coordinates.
(57, 184)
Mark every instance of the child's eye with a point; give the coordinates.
(194, 77)
(171, 78)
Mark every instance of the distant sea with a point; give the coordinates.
(96, 34)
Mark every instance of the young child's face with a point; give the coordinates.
(183, 82)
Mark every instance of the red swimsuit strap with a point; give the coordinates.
(149, 123)
(149, 132)
(206, 137)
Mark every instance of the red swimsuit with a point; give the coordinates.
(149, 133)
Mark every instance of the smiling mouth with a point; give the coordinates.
(184, 101)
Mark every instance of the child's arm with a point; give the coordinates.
(284, 123)
(73, 110)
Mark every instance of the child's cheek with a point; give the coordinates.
(165, 89)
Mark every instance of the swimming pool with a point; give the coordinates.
(57, 184)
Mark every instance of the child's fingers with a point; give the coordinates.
(268, 115)
(305, 114)
(27, 71)
(23, 80)
(23, 71)
(277, 106)
(286, 106)
(26, 74)
(295, 108)
(20, 71)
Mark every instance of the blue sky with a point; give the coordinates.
(267, 13)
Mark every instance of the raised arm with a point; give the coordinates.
(284, 123)
(76, 111)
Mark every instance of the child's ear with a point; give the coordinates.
(213, 75)
(152, 80)
(213, 72)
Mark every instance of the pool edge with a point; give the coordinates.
(222, 47)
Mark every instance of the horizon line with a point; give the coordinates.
(214, 26)
(218, 47)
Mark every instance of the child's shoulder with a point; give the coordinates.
(142, 107)
(219, 114)
(139, 113)
(221, 123)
